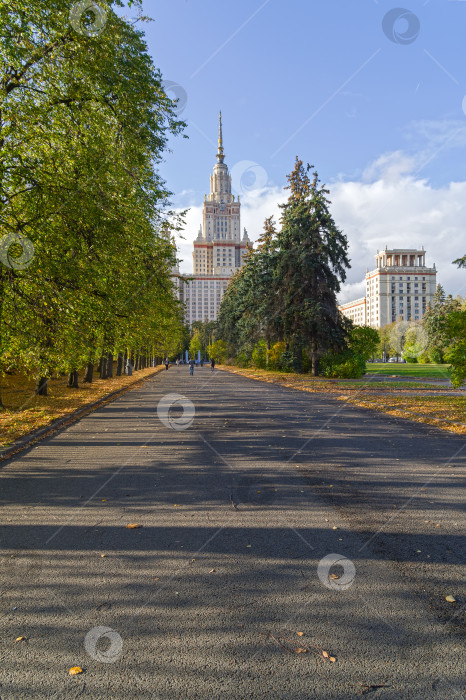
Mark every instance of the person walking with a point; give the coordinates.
(212, 364)
(166, 361)
(191, 366)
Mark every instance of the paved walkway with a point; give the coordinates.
(238, 510)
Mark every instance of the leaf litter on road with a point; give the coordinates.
(289, 645)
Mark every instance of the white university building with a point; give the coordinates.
(219, 248)
(400, 288)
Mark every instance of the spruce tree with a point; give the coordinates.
(312, 264)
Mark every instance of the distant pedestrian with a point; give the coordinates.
(212, 365)
(191, 366)
(166, 361)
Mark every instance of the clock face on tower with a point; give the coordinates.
(221, 206)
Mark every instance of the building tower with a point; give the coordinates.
(220, 246)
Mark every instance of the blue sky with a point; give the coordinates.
(380, 114)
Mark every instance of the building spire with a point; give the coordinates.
(220, 153)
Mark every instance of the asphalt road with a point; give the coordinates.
(239, 510)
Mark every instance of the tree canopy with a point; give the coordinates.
(85, 228)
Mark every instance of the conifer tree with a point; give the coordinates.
(312, 264)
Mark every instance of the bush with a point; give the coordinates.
(259, 355)
(424, 358)
(276, 355)
(436, 356)
(243, 359)
(289, 361)
(410, 356)
(343, 366)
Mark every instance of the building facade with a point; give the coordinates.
(219, 248)
(356, 311)
(399, 288)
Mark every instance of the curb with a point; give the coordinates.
(28, 440)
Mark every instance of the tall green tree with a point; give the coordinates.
(435, 324)
(84, 121)
(311, 267)
(286, 290)
(455, 353)
(206, 331)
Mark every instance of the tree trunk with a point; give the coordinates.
(298, 355)
(73, 380)
(89, 373)
(103, 367)
(119, 369)
(110, 365)
(136, 364)
(315, 361)
(1, 316)
(41, 389)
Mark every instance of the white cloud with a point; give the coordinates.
(388, 206)
(402, 212)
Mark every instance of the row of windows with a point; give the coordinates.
(408, 278)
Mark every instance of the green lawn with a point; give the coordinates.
(410, 370)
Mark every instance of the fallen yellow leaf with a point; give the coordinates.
(301, 650)
(133, 526)
(211, 571)
(75, 670)
(300, 634)
(20, 639)
(450, 599)
(332, 659)
(325, 654)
